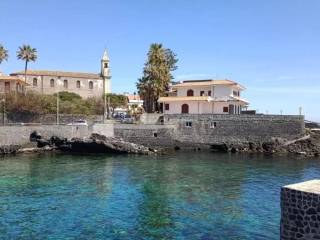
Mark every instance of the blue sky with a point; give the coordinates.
(272, 47)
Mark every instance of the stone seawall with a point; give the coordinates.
(148, 135)
(184, 131)
(208, 128)
(300, 211)
(19, 135)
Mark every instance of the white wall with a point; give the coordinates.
(204, 107)
(182, 92)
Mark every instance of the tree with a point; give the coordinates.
(3, 54)
(28, 54)
(156, 76)
(116, 100)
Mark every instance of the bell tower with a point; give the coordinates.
(105, 72)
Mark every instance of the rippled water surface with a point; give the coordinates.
(191, 195)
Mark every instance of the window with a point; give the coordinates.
(225, 109)
(201, 93)
(236, 93)
(190, 93)
(51, 82)
(78, 84)
(209, 93)
(167, 107)
(188, 124)
(185, 108)
(65, 83)
(90, 85)
(35, 82)
(213, 124)
(106, 65)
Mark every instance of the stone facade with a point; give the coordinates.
(300, 211)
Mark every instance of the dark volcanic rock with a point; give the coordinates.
(101, 144)
(42, 143)
(9, 149)
(223, 147)
(34, 136)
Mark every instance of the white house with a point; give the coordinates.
(204, 97)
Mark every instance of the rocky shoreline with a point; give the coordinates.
(308, 146)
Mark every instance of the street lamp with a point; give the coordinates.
(3, 110)
(58, 102)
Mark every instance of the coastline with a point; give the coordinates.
(306, 146)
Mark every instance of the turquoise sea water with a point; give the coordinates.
(192, 195)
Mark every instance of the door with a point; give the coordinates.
(231, 109)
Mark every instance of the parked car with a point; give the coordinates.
(127, 119)
(78, 123)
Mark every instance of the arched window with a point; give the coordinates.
(65, 83)
(35, 82)
(51, 82)
(90, 85)
(78, 84)
(106, 65)
(190, 93)
(185, 108)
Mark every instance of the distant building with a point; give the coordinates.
(204, 97)
(9, 84)
(85, 84)
(134, 100)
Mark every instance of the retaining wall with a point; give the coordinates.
(208, 128)
(19, 135)
(300, 211)
(150, 118)
(148, 135)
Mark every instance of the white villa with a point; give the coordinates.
(204, 97)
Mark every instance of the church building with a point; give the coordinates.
(85, 84)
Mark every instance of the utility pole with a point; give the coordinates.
(3, 110)
(104, 103)
(58, 108)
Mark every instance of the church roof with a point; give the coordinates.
(58, 74)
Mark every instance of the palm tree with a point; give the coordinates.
(3, 54)
(28, 54)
